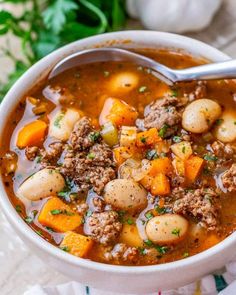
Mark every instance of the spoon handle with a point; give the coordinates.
(221, 70)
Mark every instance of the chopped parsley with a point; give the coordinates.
(174, 92)
(151, 154)
(149, 243)
(183, 149)
(94, 136)
(160, 210)
(149, 215)
(161, 249)
(142, 251)
(38, 159)
(163, 130)
(176, 139)
(91, 156)
(65, 248)
(64, 212)
(18, 208)
(57, 122)
(130, 221)
(143, 139)
(39, 232)
(29, 219)
(219, 121)
(49, 229)
(209, 157)
(89, 213)
(234, 122)
(176, 231)
(142, 89)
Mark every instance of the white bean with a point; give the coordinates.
(125, 81)
(62, 123)
(166, 229)
(226, 130)
(42, 184)
(199, 115)
(125, 194)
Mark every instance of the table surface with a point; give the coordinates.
(19, 267)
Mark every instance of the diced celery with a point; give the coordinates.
(110, 134)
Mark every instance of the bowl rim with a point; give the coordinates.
(34, 238)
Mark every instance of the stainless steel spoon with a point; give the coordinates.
(221, 70)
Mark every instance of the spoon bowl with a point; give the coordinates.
(221, 70)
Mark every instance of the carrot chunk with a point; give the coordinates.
(118, 112)
(31, 134)
(193, 167)
(76, 244)
(146, 181)
(149, 137)
(161, 165)
(160, 185)
(59, 216)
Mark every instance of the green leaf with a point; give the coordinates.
(118, 15)
(5, 18)
(45, 44)
(54, 16)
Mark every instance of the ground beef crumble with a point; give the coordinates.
(123, 253)
(103, 227)
(201, 204)
(223, 151)
(165, 111)
(229, 179)
(87, 159)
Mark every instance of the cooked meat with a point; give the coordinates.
(98, 204)
(122, 252)
(223, 151)
(47, 157)
(229, 179)
(82, 208)
(163, 112)
(202, 204)
(92, 169)
(82, 135)
(103, 227)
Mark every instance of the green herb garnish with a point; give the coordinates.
(176, 231)
(161, 249)
(176, 139)
(130, 221)
(91, 156)
(219, 121)
(94, 136)
(160, 210)
(143, 139)
(174, 92)
(57, 122)
(163, 130)
(65, 248)
(210, 158)
(149, 215)
(149, 243)
(18, 208)
(151, 154)
(59, 211)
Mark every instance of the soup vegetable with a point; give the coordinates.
(108, 163)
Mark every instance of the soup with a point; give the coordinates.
(108, 163)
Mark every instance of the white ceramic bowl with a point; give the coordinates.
(142, 279)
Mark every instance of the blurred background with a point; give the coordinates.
(30, 29)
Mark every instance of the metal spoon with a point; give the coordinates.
(221, 70)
